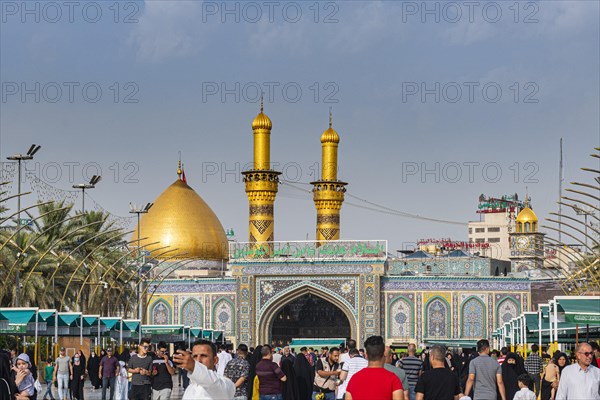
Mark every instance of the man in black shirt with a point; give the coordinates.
(438, 383)
(162, 371)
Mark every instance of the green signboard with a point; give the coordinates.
(309, 250)
(14, 328)
(582, 318)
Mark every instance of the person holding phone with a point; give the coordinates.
(205, 383)
(140, 366)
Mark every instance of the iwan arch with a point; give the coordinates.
(264, 291)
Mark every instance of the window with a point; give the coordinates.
(480, 240)
(470, 230)
(497, 229)
(494, 240)
(479, 230)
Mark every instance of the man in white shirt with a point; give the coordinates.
(581, 380)
(345, 357)
(205, 383)
(224, 358)
(349, 368)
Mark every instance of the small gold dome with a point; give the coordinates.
(262, 122)
(527, 215)
(330, 136)
(183, 221)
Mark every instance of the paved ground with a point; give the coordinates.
(90, 394)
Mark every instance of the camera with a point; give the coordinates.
(180, 345)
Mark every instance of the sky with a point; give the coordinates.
(435, 103)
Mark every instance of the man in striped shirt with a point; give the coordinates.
(413, 366)
(349, 368)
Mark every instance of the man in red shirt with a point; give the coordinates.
(374, 382)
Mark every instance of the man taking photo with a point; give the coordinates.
(205, 383)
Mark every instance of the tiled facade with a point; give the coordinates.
(403, 309)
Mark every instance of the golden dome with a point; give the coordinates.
(330, 136)
(183, 221)
(527, 215)
(262, 122)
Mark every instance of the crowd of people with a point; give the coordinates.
(346, 372)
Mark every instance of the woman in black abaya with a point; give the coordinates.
(511, 369)
(93, 367)
(290, 386)
(305, 375)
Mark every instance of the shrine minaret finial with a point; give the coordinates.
(261, 184)
(328, 193)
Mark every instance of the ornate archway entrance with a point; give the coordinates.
(312, 313)
(308, 317)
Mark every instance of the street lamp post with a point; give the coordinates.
(585, 213)
(95, 179)
(18, 158)
(138, 210)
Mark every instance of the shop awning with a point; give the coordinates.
(132, 325)
(111, 323)
(15, 320)
(579, 309)
(196, 332)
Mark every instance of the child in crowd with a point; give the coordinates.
(524, 380)
(23, 378)
(48, 374)
(551, 374)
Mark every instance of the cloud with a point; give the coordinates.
(168, 29)
(351, 28)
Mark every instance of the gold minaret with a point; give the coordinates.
(329, 191)
(261, 184)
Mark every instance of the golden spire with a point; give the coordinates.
(261, 184)
(262, 121)
(179, 171)
(328, 193)
(330, 135)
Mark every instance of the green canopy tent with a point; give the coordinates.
(131, 329)
(66, 324)
(112, 327)
(18, 320)
(196, 333)
(207, 334)
(579, 309)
